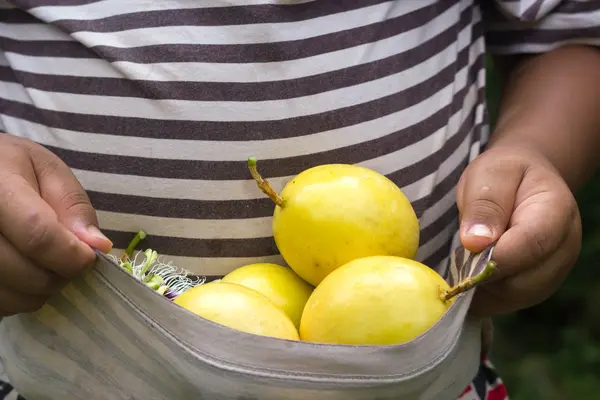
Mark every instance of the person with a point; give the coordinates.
(141, 114)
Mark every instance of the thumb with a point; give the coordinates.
(62, 191)
(485, 198)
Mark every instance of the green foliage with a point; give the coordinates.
(552, 351)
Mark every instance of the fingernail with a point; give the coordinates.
(480, 230)
(94, 231)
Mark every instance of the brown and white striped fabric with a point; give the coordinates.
(156, 104)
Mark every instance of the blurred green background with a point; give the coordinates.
(552, 351)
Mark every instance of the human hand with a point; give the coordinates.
(516, 197)
(47, 226)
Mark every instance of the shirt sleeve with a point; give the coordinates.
(537, 26)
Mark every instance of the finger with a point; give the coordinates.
(529, 288)
(20, 274)
(12, 302)
(486, 199)
(539, 227)
(62, 191)
(32, 227)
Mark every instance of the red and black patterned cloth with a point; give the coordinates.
(487, 384)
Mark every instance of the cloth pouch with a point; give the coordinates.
(106, 336)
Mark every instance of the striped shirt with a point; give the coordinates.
(156, 104)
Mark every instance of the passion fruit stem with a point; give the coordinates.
(155, 282)
(127, 266)
(151, 257)
(469, 283)
(141, 235)
(263, 184)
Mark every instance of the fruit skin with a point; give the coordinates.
(238, 307)
(335, 213)
(278, 283)
(378, 300)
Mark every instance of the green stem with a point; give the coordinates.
(154, 282)
(141, 235)
(469, 283)
(127, 266)
(151, 257)
(263, 184)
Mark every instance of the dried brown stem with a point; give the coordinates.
(263, 184)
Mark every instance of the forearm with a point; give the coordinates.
(551, 104)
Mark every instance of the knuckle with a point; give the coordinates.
(538, 243)
(39, 232)
(47, 167)
(76, 200)
(73, 244)
(484, 208)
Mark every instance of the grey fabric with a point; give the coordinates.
(106, 336)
